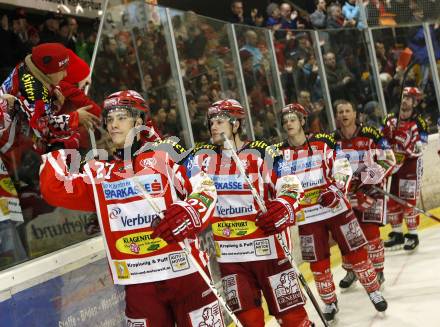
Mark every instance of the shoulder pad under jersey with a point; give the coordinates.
(422, 125)
(171, 141)
(388, 117)
(203, 146)
(372, 133)
(263, 148)
(324, 137)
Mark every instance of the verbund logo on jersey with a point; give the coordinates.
(129, 216)
(229, 183)
(129, 188)
(235, 206)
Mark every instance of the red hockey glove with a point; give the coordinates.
(181, 221)
(280, 215)
(363, 201)
(328, 198)
(401, 139)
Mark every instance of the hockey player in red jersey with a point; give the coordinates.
(325, 208)
(407, 134)
(250, 257)
(162, 286)
(371, 160)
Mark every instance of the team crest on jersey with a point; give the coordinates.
(207, 316)
(353, 234)
(148, 162)
(286, 290)
(308, 250)
(230, 288)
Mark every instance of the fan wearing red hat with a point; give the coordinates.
(33, 83)
(325, 208)
(78, 75)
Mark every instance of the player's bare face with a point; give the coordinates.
(292, 124)
(406, 108)
(219, 125)
(345, 115)
(119, 124)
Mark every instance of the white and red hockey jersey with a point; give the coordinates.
(366, 148)
(415, 132)
(315, 165)
(236, 235)
(113, 189)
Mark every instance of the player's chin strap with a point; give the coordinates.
(406, 204)
(279, 236)
(186, 248)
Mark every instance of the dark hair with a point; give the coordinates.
(343, 101)
(233, 2)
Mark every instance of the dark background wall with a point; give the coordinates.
(220, 8)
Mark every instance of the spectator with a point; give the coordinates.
(195, 44)
(339, 78)
(351, 12)
(251, 40)
(371, 114)
(288, 16)
(273, 16)
(49, 33)
(252, 77)
(72, 86)
(385, 61)
(34, 82)
(237, 14)
(304, 99)
(12, 43)
(72, 38)
(335, 19)
(319, 16)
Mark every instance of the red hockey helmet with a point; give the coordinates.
(412, 92)
(129, 100)
(229, 107)
(294, 108)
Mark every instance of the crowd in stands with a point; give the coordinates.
(137, 58)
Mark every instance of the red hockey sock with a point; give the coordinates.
(412, 219)
(376, 253)
(364, 270)
(375, 245)
(345, 264)
(294, 318)
(395, 219)
(324, 280)
(252, 317)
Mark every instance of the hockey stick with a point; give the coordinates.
(278, 236)
(185, 247)
(403, 202)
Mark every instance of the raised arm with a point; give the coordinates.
(61, 188)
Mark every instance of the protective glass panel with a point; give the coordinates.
(206, 62)
(299, 75)
(349, 72)
(403, 61)
(133, 55)
(259, 77)
(393, 13)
